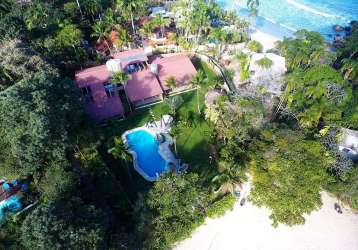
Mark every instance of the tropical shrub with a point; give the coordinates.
(264, 62)
(244, 66)
(255, 46)
(220, 207)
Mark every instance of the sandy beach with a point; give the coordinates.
(267, 40)
(249, 228)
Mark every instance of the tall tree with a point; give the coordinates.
(162, 23)
(198, 80)
(101, 31)
(131, 6)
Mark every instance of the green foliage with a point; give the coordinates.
(304, 51)
(237, 124)
(264, 62)
(220, 207)
(69, 36)
(38, 16)
(36, 115)
(71, 225)
(241, 119)
(174, 103)
(347, 56)
(174, 209)
(346, 190)
(350, 114)
(18, 61)
(255, 46)
(57, 182)
(317, 94)
(120, 78)
(11, 24)
(289, 172)
(171, 82)
(244, 66)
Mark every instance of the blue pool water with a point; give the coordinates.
(283, 17)
(11, 204)
(145, 146)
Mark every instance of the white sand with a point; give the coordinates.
(249, 228)
(267, 40)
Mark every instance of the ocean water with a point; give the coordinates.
(283, 17)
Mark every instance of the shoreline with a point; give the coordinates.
(267, 40)
(249, 228)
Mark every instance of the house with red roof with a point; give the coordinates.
(103, 100)
(178, 66)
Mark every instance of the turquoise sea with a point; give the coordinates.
(283, 17)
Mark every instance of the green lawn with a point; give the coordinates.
(193, 141)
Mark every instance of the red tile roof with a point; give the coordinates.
(101, 107)
(143, 85)
(178, 66)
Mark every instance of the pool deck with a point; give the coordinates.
(163, 151)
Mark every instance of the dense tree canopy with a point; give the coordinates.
(174, 206)
(289, 172)
(19, 61)
(35, 116)
(304, 50)
(317, 94)
(73, 225)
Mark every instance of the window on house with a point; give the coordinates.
(109, 88)
(86, 93)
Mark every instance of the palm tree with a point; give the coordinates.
(174, 103)
(197, 81)
(100, 30)
(171, 82)
(79, 7)
(162, 23)
(131, 6)
(147, 29)
(92, 8)
(253, 5)
(200, 19)
(226, 179)
(349, 69)
(175, 37)
(120, 78)
(5, 6)
(221, 36)
(119, 151)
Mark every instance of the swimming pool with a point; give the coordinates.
(145, 150)
(9, 205)
(283, 17)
